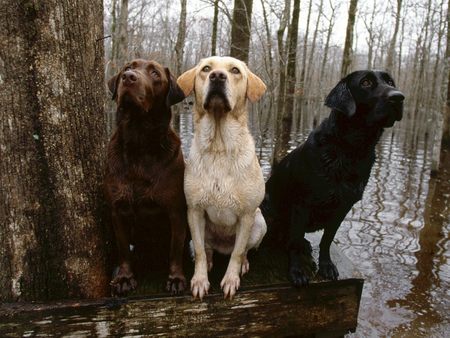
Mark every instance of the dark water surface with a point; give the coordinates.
(397, 236)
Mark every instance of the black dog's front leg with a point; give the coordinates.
(298, 246)
(327, 269)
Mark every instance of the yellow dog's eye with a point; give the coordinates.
(366, 83)
(206, 69)
(235, 70)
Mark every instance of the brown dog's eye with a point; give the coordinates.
(206, 69)
(154, 73)
(235, 70)
(366, 83)
(127, 68)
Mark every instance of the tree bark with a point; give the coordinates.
(214, 28)
(121, 40)
(446, 126)
(52, 136)
(391, 50)
(305, 51)
(281, 145)
(347, 55)
(240, 29)
(313, 45)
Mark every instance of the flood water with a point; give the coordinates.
(397, 236)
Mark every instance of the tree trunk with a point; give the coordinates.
(310, 72)
(240, 29)
(442, 139)
(391, 50)
(347, 55)
(305, 51)
(214, 28)
(281, 145)
(122, 38)
(327, 43)
(52, 136)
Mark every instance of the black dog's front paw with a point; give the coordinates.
(122, 281)
(328, 270)
(297, 276)
(175, 285)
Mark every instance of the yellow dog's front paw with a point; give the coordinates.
(199, 286)
(230, 284)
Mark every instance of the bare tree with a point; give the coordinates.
(240, 29)
(331, 22)
(286, 121)
(214, 28)
(391, 50)
(305, 51)
(347, 54)
(52, 239)
(181, 37)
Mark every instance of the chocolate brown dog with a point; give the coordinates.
(145, 167)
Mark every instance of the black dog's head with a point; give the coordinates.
(368, 95)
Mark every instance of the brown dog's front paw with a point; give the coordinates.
(122, 281)
(176, 285)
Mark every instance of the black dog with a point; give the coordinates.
(316, 185)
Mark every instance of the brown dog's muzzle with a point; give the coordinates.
(129, 78)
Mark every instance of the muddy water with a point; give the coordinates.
(397, 236)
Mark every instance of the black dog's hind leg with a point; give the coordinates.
(327, 269)
(299, 247)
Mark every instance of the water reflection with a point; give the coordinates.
(397, 235)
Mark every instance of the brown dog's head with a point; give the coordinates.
(144, 84)
(221, 85)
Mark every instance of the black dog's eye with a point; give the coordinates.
(366, 83)
(235, 70)
(390, 83)
(206, 69)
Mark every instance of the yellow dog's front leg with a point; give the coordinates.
(199, 282)
(230, 282)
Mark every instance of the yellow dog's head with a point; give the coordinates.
(221, 85)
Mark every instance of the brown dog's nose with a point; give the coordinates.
(396, 96)
(129, 77)
(218, 76)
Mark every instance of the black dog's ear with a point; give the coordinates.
(112, 85)
(341, 99)
(175, 93)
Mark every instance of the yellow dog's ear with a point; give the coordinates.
(255, 87)
(186, 81)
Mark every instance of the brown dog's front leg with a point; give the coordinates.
(178, 225)
(123, 279)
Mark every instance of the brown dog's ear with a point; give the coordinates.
(175, 93)
(255, 87)
(341, 99)
(112, 85)
(186, 81)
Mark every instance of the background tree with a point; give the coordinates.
(240, 29)
(347, 54)
(52, 239)
(282, 140)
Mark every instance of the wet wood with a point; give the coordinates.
(266, 305)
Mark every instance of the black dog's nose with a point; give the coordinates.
(396, 96)
(218, 76)
(129, 77)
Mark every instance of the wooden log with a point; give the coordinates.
(263, 307)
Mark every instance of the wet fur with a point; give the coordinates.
(316, 185)
(145, 170)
